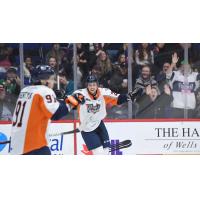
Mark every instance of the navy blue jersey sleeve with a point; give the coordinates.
(61, 111)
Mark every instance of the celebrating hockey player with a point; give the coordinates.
(35, 106)
(92, 110)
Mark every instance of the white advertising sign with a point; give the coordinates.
(118, 132)
(61, 144)
(152, 137)
(58, 144)
(167, 137)
(171, 137)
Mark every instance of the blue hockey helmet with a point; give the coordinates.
(42, 72)
(91, 79)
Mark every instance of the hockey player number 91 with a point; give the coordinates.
(19, 112)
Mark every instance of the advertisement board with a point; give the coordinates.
(167, 138)
(149, 137)
(61, 144)
(118, 132)
(4, 136)
(152, 137)
(58, 143)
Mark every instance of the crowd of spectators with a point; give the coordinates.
(164, 85)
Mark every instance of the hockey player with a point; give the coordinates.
(92, 110)
(35, 106)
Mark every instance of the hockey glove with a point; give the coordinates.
(74, 100)
(137, 92)
(79, 97)
(60, 94)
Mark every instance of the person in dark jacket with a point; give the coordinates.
(153, 104)
(161, 76)
(119, 79)
(145, 80)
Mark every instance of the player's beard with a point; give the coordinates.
(93, 94)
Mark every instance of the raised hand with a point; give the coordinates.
(167, 89)
(148, 90)
(175, 58)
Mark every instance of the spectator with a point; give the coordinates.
(52, 62)
(5, 112)
(119, 79)
(184, 83)
(163, 51)
(104, 68)
(121, 61)
(28, 64)
(161, 76)
(95, 50)
(57, 53)
(5, 57)
(123, 50)
(161, 55)
(144, 56)
(82, 60)
(13, 82)
(158, 48)
(28, 67)
(144, 80)
(153, 104)
(66, 83)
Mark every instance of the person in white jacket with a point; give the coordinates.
(183, 82)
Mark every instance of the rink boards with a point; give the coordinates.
(147, 136)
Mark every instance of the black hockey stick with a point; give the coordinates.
(70, 132)
(5, 142)
(63, 133)
(122, 145)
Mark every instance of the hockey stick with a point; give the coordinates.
(122, 145)
(70, 132)
(66, 133)
(63, 133)
(5, 142)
